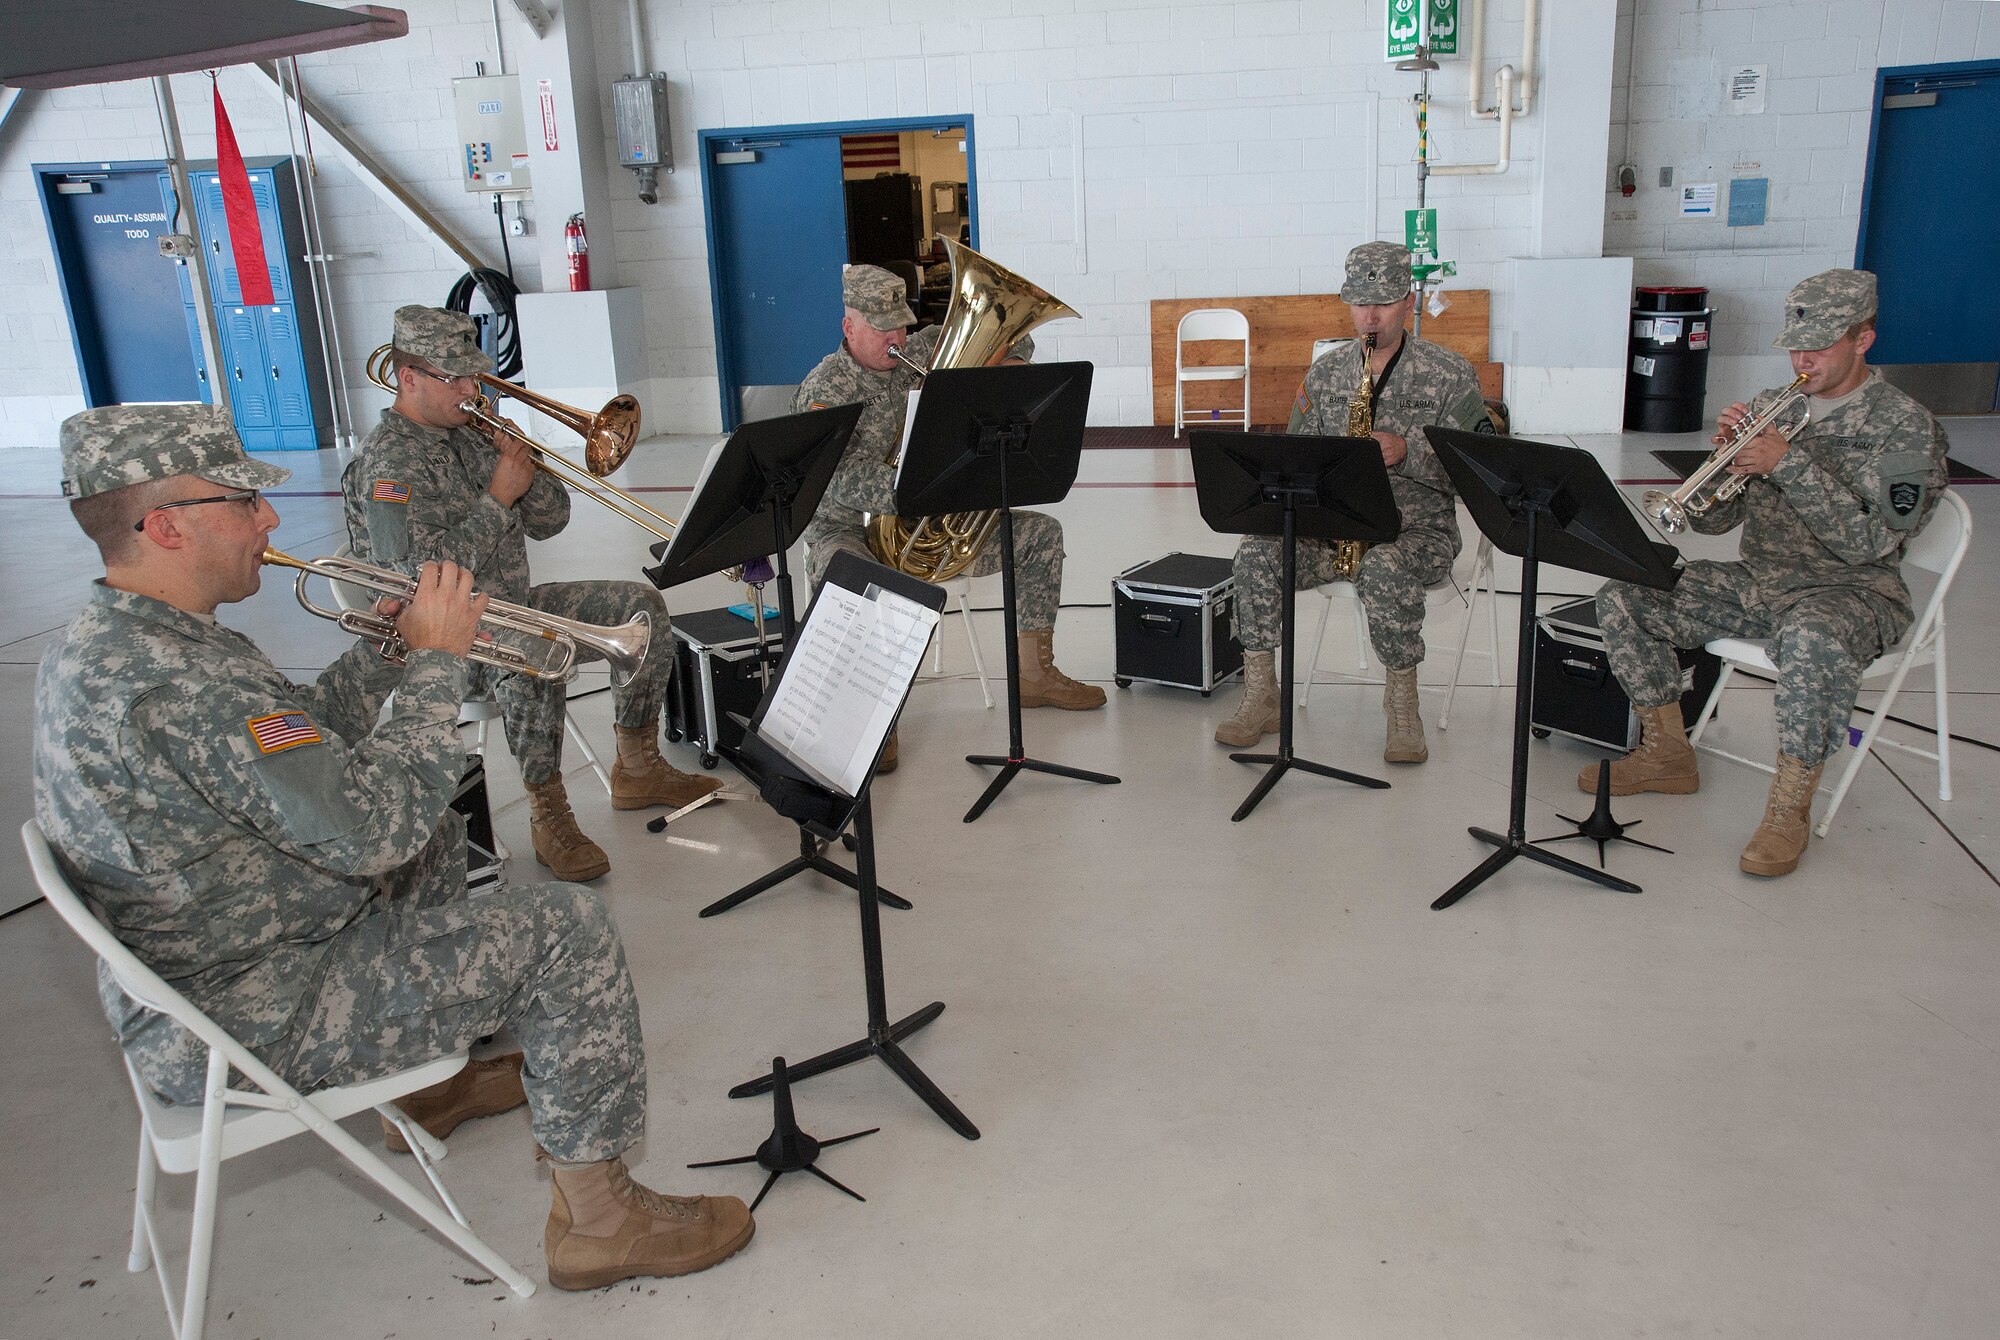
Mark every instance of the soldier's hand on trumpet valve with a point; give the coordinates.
(1758, 456)
(443, 613)
(515, 471)
(1394, 448)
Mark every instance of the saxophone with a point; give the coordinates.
(1360, 423)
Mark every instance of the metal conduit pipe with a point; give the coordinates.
(1503, 79)
(1475, 41)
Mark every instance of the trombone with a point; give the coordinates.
(608, 438)
(1670, 511)
(551, 641)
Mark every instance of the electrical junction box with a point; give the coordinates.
(492, 137)
(639, 107)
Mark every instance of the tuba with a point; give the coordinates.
(991, 309)
(1360, 423)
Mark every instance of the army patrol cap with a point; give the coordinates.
(1377, 273)
(445, 340)
(119, 445)
(1820, 310)
(879, 296)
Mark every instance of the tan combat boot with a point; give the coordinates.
(888, 763)
(1042, 685)
(1257, 715)
(1405, 742)
(1779, 842)
(559, 843)
(604, 1227)
(1664, 760)
(482, 1089)
(641, 778)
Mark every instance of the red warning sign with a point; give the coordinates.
(548, 117)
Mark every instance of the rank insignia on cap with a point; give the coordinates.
(283, 730)
(388, 490)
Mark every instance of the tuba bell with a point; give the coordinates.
(991, 309)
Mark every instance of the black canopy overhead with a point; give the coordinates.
(57, 45)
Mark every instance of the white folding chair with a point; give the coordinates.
(232, 1121)
(1211, 323)
(1937, 552)
(1480, 583)
(474, 712)
(960, 587)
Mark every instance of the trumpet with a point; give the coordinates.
(608, 438)
(1695, 497)
(544, 646)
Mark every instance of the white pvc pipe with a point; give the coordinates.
(1503, 79)
(641, 66)
(1475, 41)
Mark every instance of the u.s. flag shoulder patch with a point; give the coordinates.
(1304, 403)
(388, 490)
(283, 730)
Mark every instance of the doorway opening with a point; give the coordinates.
(788, 206)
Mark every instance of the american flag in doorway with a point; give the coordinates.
(871, 151)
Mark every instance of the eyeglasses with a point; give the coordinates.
(251, 496)
(441, 377)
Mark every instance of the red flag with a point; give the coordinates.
(246, 236)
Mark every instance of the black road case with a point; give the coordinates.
(1577, 695)
(717, 672)
(1174, 619)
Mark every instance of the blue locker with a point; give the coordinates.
(271, 355)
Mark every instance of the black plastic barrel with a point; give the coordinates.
(1667, 377)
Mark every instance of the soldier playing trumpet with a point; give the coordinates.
(1825, 514)
(1414, 384)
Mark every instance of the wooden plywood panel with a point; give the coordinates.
(1282, 331)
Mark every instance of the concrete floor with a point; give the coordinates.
(1233, 1079)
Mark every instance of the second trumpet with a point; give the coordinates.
(1700, 491)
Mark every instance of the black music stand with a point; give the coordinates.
(825, 811)
(1542, 502)
(998, 438)
(1289, 485)
(755, 499)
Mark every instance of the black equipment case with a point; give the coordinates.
(1577, 695)
(1174, 619)
(716, 672)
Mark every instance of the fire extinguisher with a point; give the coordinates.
(578, 247)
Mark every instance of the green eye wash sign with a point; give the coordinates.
(1409, 20)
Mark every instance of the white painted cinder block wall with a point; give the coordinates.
(1812, 143)
(1127, 150)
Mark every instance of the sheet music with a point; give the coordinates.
(856, 657)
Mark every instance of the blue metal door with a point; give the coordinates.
(777, 240)
(126, 316)
(1927, 228)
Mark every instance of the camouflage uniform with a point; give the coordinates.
(1424, 385)
(1823, 538)
(864, 484)
(416, 494)
(291, 866)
